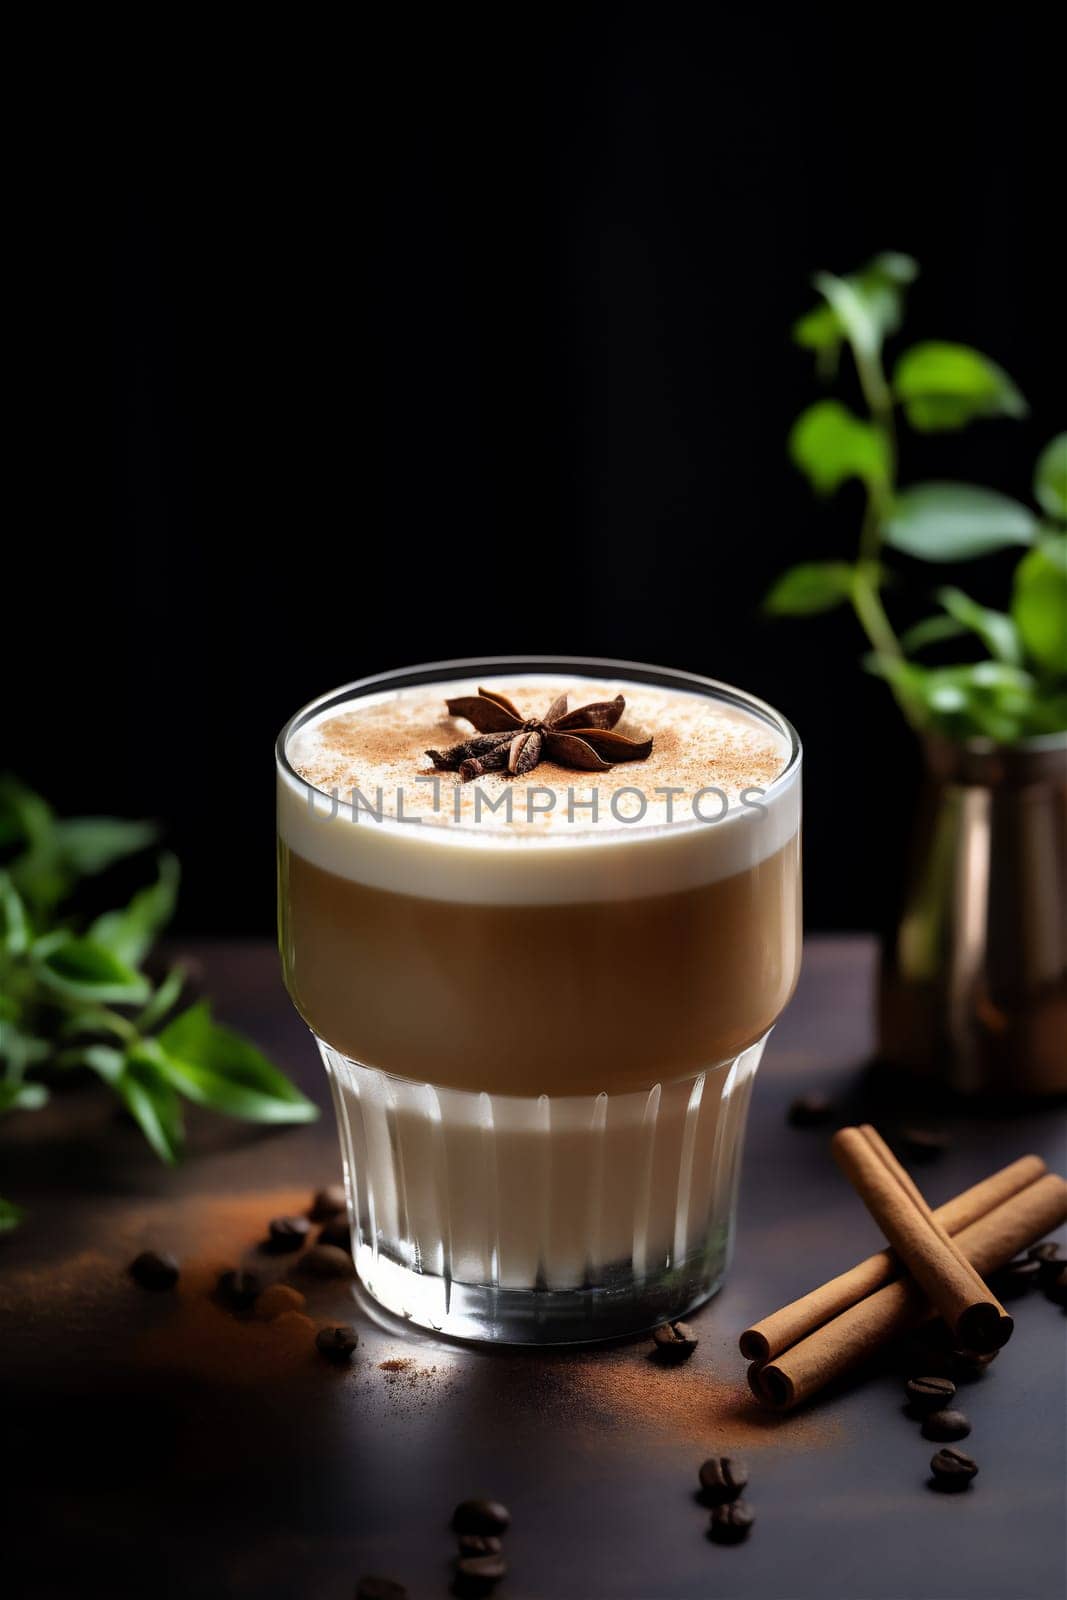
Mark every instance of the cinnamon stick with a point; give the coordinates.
(775, 1333)
(848, 1339)
(939, 1267)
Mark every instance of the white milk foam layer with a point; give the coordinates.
(571, 836)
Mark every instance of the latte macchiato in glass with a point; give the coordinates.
(541, 994)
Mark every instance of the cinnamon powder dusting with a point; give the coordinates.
(625, 1389)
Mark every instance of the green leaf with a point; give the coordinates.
(864, 307)
(986, 698)
(22, 1096)
(14, 928)
(931, 630)
(165, 998)
(57, 854)
(1039, 603)
(830, 445)
(21, 1049)
(129, 934)
(83, 970)
(1050, 478)
(216, 1067)
(944, 386)
(24, 816)
(10, 1215)
(996, 630)
(107, 1062)
(956, 522)
(156, 1108)
(88, 845)
(811, 587)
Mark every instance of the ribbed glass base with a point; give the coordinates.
(541, 1220)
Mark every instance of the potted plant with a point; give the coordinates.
(974, 971)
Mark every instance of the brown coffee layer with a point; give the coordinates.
(544, 999)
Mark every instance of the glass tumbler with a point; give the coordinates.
(540, 1044)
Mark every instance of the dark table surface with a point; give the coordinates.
(159, 1446)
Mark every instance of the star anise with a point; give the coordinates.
(511, 743)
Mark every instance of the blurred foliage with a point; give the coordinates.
(1020, 688)
(77, 997)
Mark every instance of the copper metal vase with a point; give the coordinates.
(973, 990)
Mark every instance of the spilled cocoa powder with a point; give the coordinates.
(624, 1389)
(201, 1338)
(186, 1331)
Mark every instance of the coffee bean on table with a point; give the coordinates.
(481, 1516)
(1047, 1256)
(478, 1574)
(946, 1425)
(930, 1394)
(479, 1544)
(336, 1233)
(371, 1588)
(731, 1523)
(1057, 1288)
(922, 1144)
(237, 1289)
(336, 1344)
(328, 1202)
(288, 1233)
(326, 1261)
(277, 1300)
(1017, 1278)
(154, 1270)
(952, 1470)
(811, 1111)
(722, 1479)
(674, 1342)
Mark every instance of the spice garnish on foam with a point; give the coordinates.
(511, 743)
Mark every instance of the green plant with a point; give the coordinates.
(76, 997)
(1020, 687)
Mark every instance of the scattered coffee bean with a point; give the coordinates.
(276, 1301)
(722, 1479)
(946, 1425)
(1047, 1256)
(952, 1470)
(1056, 1289)
(288, 1234)
(336, 1233)
(154, 1271)
(674, 1342)
(811, 1111)
(326, 1261)
(371, 1588)
(478, 1574)
(731, 1523)
(481, 1516)
(922, 1144)
(930, 1394)
(479, 1544)
(237, 1289)
(336, 1344)
(1017, 1277)
(328, 1202)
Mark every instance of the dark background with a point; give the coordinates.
(468, 333)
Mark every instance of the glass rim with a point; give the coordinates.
(470, 666)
